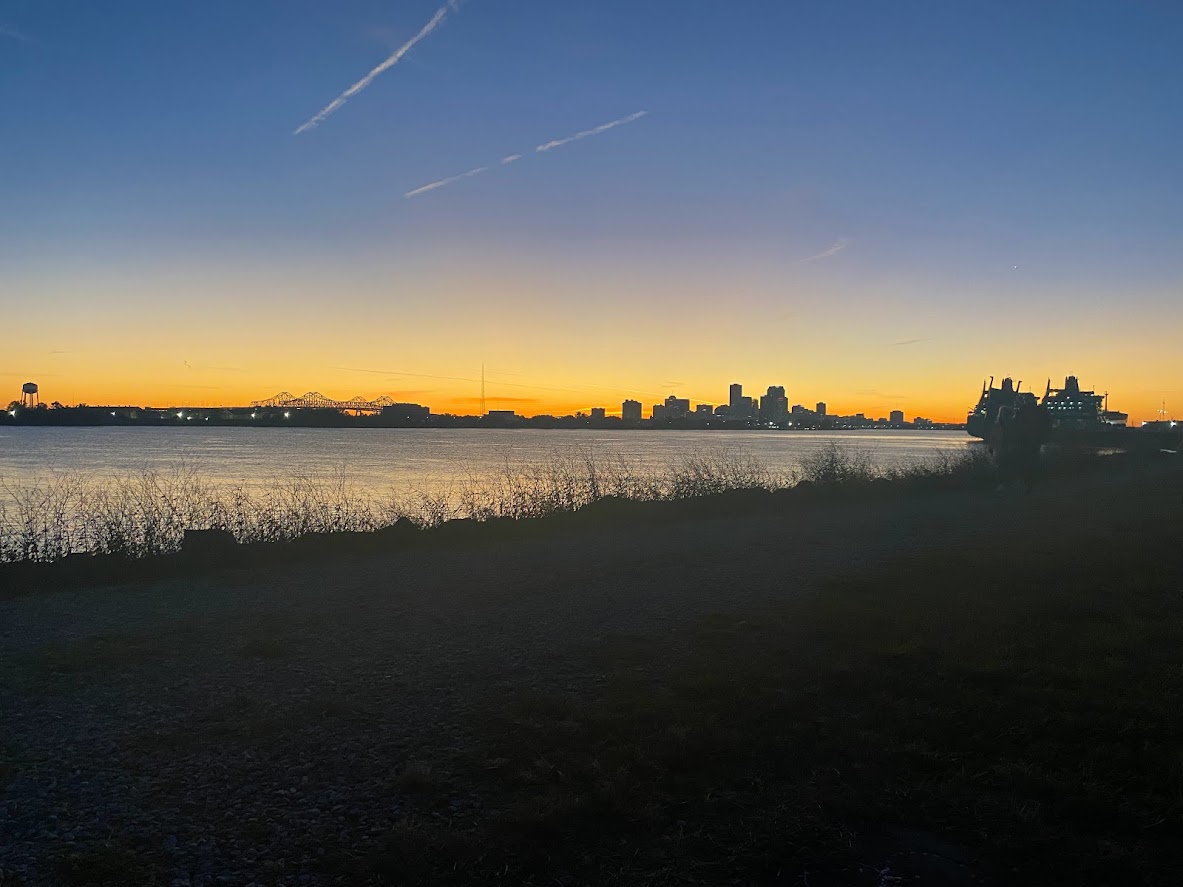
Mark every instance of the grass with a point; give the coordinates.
(147, 514)
(952, 718)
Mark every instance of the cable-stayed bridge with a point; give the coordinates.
(314, 400)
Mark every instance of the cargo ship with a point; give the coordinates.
(1076, 417)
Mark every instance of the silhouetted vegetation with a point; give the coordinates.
(146, 514)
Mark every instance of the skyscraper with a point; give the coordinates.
(774, 406)
(821, 408)
(896, 417)
(630, 411)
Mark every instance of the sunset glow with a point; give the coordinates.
(773, 219)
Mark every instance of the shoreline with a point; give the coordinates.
(207, 551)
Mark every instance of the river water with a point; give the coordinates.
(414, 458)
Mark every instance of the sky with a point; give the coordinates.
(873, 204)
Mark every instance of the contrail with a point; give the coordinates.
(449, 180)
(839, 245)
(331, 107)
(513, 158)
(594, 131)
(15, 34)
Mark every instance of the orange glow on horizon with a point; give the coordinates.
(441, 401)
(560, 338)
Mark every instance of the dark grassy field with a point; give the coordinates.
(969, 716)
(943, 687)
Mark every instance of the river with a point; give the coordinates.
(414, 458)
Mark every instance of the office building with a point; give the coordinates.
(738, 406)
(774, 406)
(821, 408)
(599, 413)
(677, 407)
(630, 411)
(896, 417)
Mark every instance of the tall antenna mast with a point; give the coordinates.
(482, 389)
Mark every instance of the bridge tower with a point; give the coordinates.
(29, 396)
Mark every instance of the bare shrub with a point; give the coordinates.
(834, 465)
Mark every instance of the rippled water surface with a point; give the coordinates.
(413, 458)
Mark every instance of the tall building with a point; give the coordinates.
(774, 406)
(738, 406)
(896, 417)
(630, 411)
(677, 407)
(704, 409)
(599, 413)
(821, 408)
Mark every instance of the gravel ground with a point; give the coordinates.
(243, 726)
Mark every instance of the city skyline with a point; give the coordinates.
(500, 393)
(772, 408)
(883, 203)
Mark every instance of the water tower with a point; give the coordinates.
(29, 398)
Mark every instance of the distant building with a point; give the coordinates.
(406, 412)
(896, 417)
(630, 411)
(501, 415)
(921, 422)
(704, 409)
(599, 413)
(659, 411)
(677, 407)
(738, 406)
(820, 409)
(774, 406)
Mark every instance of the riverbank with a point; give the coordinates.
(946, 686)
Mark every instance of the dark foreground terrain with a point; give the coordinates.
(959, 687)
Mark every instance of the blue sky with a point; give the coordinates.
(937, 145)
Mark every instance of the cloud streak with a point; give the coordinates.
(14, 34)
(839, 245)
(513, 158)
(392, 60)
(594, 131)
(449, 180)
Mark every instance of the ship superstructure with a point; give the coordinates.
(1076, 417)
(1072, 408)
(981, 418)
